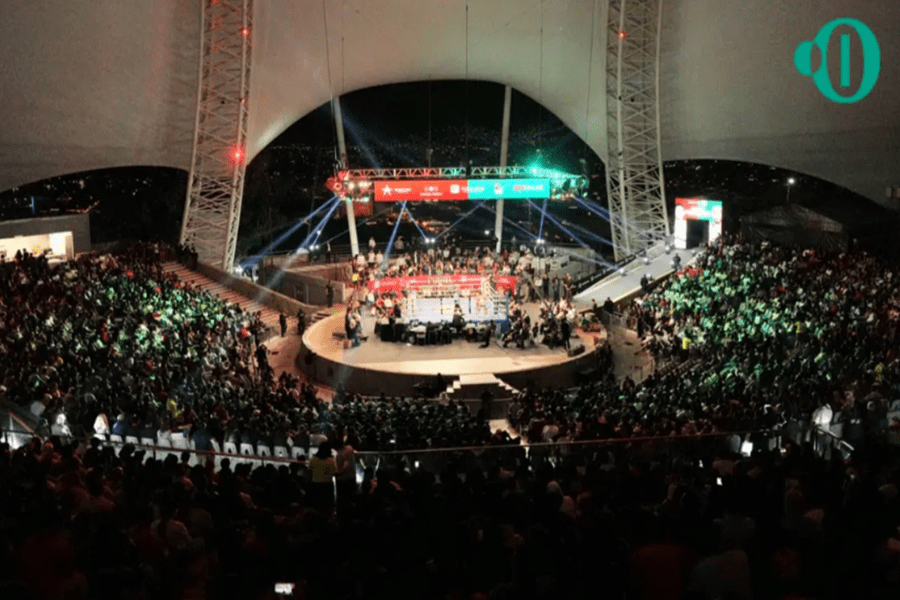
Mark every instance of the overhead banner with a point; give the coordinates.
(487, 189)
(462, 282)
(472, 189)
(413, 190)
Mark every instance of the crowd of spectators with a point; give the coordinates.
(113, 345)
(773, 335)
(113, 339)
(688, 521)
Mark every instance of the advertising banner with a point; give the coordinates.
(472, 189)
(418, 190)
(505, 283)
(488, 189)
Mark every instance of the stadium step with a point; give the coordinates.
(268, 316)
(471, 387)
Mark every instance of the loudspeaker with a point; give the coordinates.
(576, 350)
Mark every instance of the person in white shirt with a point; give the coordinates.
(372, 244)
(101, 426)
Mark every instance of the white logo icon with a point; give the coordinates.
(386, 190)
(454, 189)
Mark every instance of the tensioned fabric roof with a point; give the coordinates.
(106, 83)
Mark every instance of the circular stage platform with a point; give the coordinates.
(397, 368)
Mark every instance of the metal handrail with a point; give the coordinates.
(480, 448)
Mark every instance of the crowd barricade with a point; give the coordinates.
(823, 440)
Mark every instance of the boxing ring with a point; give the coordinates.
(435, 298)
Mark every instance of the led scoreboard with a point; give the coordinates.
(462, 189)
(692, 209)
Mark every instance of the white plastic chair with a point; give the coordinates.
(179, 441)
(130, 439)
(230, 448)
(263, 450)
(281, 451)
(297, 452)
(116, 439)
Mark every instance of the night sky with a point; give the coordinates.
(390, 126)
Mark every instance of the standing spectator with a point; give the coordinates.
(346, 473)
(282, 321)
(329, 294)
(328, 252)
(118, 427)
(323, 469)
(371, 244)
(487, 403)
(301, 322)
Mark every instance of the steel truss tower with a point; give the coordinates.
(634, 174)
(212, 210)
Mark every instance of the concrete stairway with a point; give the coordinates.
(269, 316)
(471, 387)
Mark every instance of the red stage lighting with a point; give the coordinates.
(622, 35)
(245, 31)
(238, 155)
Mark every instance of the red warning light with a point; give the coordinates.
(238, 155)
(245, 31)
(622, 35)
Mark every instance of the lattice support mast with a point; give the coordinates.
(212, 212)
(634, 174)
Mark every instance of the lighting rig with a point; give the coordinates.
(456, 183)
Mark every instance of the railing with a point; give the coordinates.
(437, 458)
(651, 253)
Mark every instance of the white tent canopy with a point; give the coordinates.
(106, 83)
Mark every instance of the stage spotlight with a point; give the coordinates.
(352, 185)
(646, 260)
(623, 272)
(319, 232)
(487, 232)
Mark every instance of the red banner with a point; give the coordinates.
(505, 283)
(417, 190)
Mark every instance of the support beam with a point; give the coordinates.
(634, 174)
(212, 208)
(342, 148)
(504, 156)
